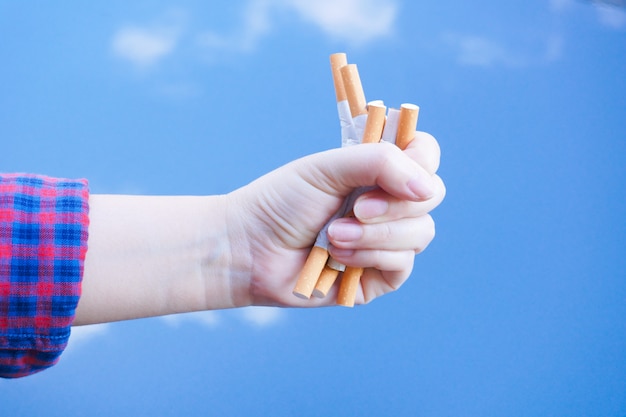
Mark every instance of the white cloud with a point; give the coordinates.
(81, 335)
(482, 51)
(477, 51)
(209, 319)
(146, 45)
(256, 23)
(262, 316)
(257, 316)
(143, 47)
(610, 13)
(611, 16)
(352, 21)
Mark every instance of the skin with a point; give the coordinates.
(157, 255)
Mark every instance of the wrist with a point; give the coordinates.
(226, 263)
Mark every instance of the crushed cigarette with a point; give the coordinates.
(310, 272)
(361, 122)
(325, 282)
(407, 123)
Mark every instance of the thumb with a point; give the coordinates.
(339, 171)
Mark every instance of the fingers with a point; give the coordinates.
(425, 150)
(381, 260)
(375, 283)
(391, 222)
(340, 170)
(406, 234)
(378, 206)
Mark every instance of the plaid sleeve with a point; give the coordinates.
(43, 242)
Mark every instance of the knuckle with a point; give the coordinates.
(442, 187)
(428, 232)
(385, 232)
(431, 229)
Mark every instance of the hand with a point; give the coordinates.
(274, 220)
(156, 255)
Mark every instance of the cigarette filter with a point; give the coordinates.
(310, 272)
(372, 134)
(407, 123)
(349, 285)
(336, 62)
(325, 282)
(354, 89)
(360, 122)
(375, 122)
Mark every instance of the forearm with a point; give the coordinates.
(151, 256)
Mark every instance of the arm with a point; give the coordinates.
(152, 255)
(160, 255)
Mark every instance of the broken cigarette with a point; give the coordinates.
(361, 122)
(407, 123)
(372, 134)
(325, 281)
(353, 113)
(310, 273)
(316, 261)
(354, 89)
(359, 112)
(349, 285)
(375, 122)
(337, 61)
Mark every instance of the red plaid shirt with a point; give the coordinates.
(43, 242)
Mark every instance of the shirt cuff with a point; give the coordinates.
(43, 242)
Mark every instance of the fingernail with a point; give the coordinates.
(369, 208)
(422, 187)
(342, 230)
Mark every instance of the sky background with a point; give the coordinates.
(518, 307)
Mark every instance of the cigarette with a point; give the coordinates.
(360, 122)
(353, 111)
(372, 134)
(407, 123)
(336, 62)
(354, 89)
(348, 287)
(325, 282)
(375, 122)
(318, 256)
(310, 272)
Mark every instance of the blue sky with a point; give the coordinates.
(518, 307)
